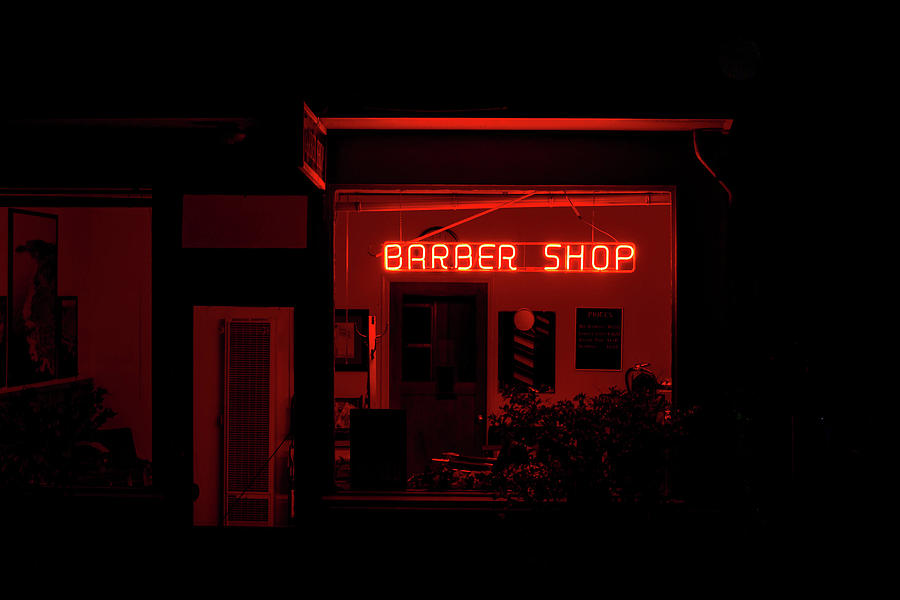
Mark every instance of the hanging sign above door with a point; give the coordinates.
(312, 161)
(557, 257)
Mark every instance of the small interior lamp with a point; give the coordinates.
(524, 319)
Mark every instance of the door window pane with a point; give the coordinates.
(416, 341)
(416, 324)
(456, 336)
(416, 364)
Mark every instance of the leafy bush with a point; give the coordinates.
(40, 432)
(608, 447)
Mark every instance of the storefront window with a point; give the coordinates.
(75, 347)
(592, 270)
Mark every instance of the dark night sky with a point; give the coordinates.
(524, 71)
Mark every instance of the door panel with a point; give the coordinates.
(438, 367)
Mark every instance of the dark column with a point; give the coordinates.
(704, 349)
(172, 362)
(314, 365)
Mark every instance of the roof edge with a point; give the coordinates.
(525, 124)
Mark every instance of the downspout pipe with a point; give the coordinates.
(713, 173)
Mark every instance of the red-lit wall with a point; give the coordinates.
(104, 260)
(646, 296)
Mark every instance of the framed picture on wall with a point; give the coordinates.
(2, 341)
(342, 408)
(351, 326)
(527, 352)
(31, 320)
(67, 336)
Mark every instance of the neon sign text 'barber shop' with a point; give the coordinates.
(557, 257)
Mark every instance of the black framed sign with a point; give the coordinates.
(31, 347)
(350, 345)
(598, 339)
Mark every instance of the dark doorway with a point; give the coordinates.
(438, 367)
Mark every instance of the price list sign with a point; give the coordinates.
(598, 339)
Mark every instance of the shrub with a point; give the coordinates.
(40, 432)
(608, 447)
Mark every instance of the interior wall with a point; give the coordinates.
(105, 260)
(646, 296)
(208, 409)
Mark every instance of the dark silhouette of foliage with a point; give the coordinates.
(40, 433)
(611, 447)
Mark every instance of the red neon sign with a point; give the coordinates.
(560, 257)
